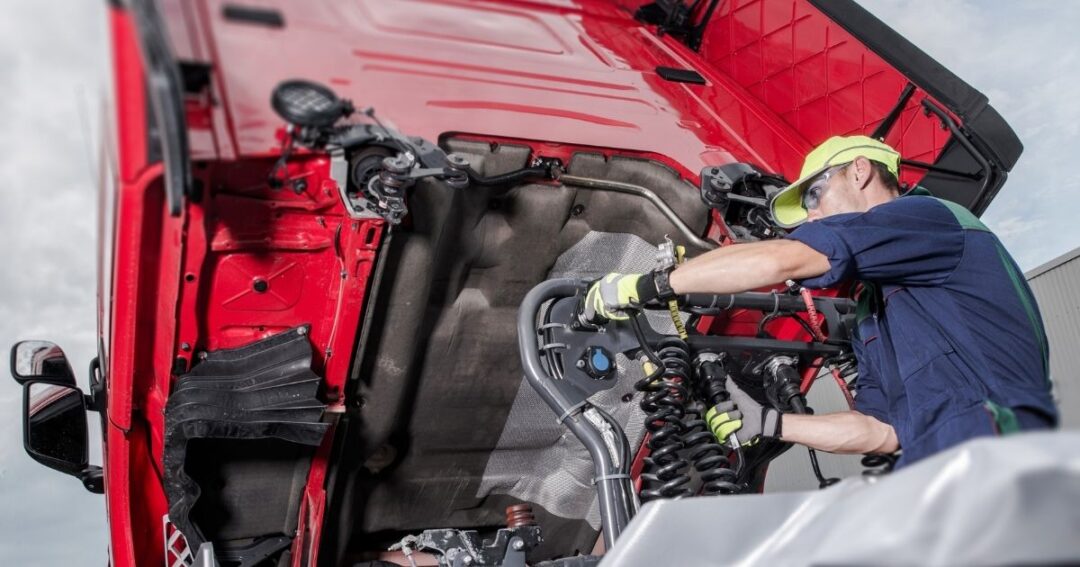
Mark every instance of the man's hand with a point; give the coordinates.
(743, 415)
(611, 296)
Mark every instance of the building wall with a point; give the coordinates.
(1056, 286)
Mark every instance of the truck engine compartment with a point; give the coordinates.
(313, 347)
(443, 440)
(440, 382)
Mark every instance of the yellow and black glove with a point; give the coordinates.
(743, 415)
(611, 297)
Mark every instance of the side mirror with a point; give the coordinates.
(54, 412)
(54, 427)
(40, 361)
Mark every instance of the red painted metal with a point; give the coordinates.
(815, 75)
(563, 75)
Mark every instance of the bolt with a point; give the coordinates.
(400, 163)
(577, 210)
(202, 355)
(580, 364)
(467, 560)
(185, 347)
(518, 544)
(299, 186)
(301, 331)
(457, 161)
(627, 398)
(260, 285)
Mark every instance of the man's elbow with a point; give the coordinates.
(881, 437)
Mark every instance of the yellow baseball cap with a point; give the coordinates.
(786, 206)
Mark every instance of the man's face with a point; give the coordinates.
(831, 193)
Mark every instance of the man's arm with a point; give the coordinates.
(743, 267)
(847, 432)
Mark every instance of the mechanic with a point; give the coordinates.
(950, 343)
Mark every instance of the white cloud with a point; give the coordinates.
(53, 64)
(1028, 63)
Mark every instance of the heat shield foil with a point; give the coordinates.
(540, 461)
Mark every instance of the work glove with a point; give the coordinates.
(610, 297)
(744, 416)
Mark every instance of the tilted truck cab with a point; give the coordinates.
(310, 290)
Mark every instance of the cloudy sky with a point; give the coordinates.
(53, 74)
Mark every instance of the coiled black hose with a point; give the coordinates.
(666, 473)
(710, 457)
(711, 460)
(878, 465)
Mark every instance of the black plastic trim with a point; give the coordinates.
(265, 390)
(165, 100)
(680, 75)
(195, 76)
(253, 15)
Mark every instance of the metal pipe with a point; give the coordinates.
(610, 489)
(930, 106)
(763, 302)
(639, 191)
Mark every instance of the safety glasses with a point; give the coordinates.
(811, 197)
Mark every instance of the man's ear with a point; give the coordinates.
(861, 171)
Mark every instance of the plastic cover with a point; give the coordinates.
(998, 501)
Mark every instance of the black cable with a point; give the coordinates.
(805, 325)
(635, 324)
(509, 177)
(761, 333)
(822, 481)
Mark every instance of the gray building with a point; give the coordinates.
(1056, 285)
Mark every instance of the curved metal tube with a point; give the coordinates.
(949, 123)
(612, 491)
(639, 191)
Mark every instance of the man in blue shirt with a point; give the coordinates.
(950, 342)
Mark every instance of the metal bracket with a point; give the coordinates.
(464, 548)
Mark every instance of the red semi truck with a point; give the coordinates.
(320, 219)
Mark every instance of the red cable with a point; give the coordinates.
(843, 387)
(811, 310)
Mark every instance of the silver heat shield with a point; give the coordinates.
(537, 459)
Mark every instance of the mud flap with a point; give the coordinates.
(241, 428)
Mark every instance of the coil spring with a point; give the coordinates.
(664, 403)
(878, 465)
(710, 459)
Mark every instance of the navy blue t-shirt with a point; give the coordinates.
(950, 341)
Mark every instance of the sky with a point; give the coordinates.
(54, 78)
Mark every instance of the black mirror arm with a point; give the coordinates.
(93, 479)
(95, 400)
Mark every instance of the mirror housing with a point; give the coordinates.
(41, 361)
(55, 431)
(54, 427)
